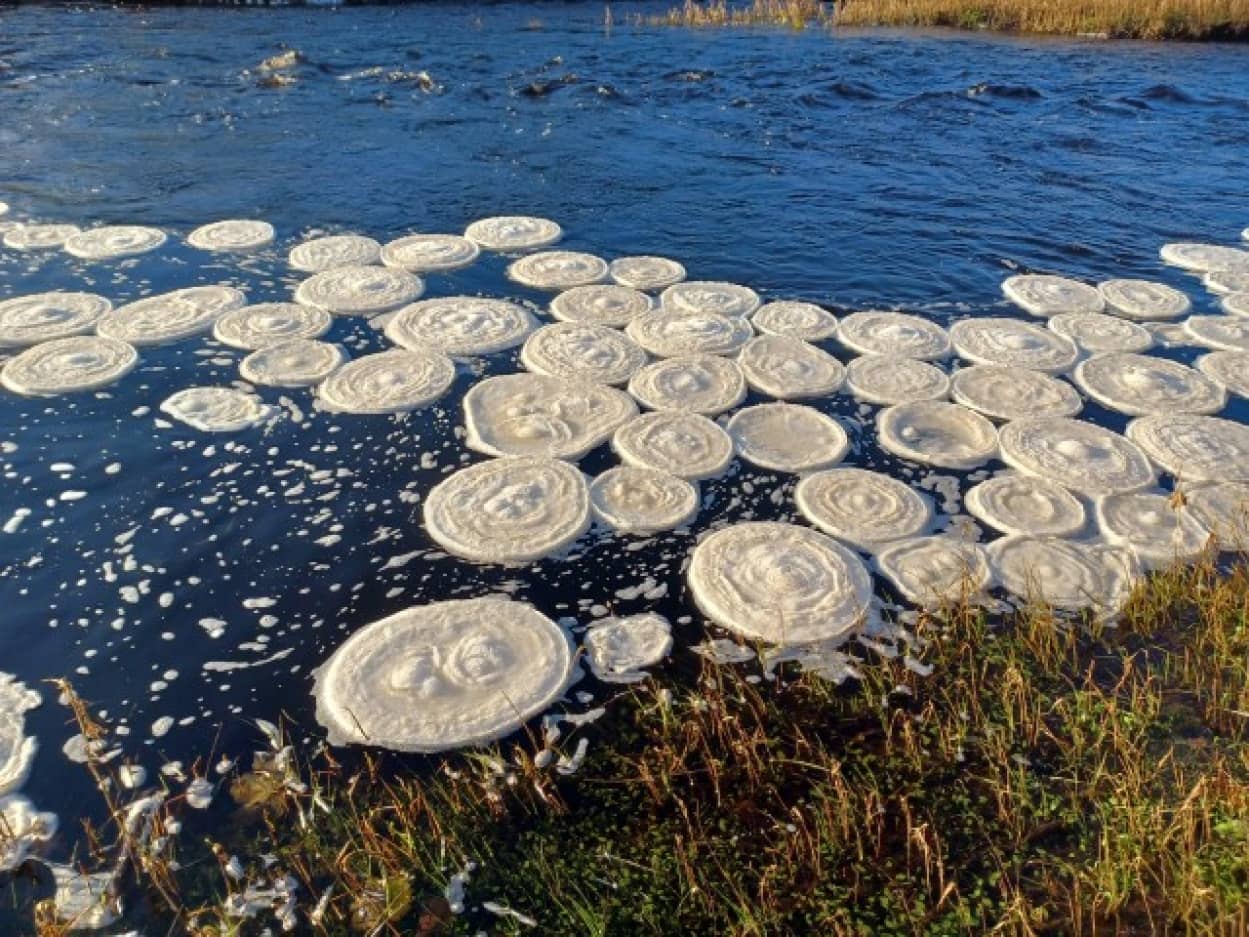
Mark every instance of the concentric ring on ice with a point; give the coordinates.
(1236, 304)
(1011, 393)
(1221, 333)
(930, 571)
(1203, 258)
(583, 352)
(1227, 281)
(234, 234)
(430, 253)
(709, 296)
(41, 317)
(642, 500)
(359, 291)
(254, 327)
(668, 334)
(114, 241)
(600, 304)
(461, 325)
(1228, 369)
(707, 384)
(216, 409)
(787, 437)
(38, 237)
(687, 445)
(646, 272)
(893, 333)
(885, 379)
(1019, 503)
(618, 648)
(67, 365)
(1097, 332)
(1011, 343)
(558, 270)
(937, 433)
(863, 508)
(1144, 299)
(1223, 509)
(335, 250)
(1046, 295)
(1084, 457)
(1063, 573)
(170, 317)
(1194, 448)
(300, 362)
(1151, 527)
(806, 321)
(788, 368)
(388, 381)
(513, 233)
(1141, 384)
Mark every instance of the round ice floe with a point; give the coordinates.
(893, 333)
(430, 253)
(1143, 299)
(646, 273)
(1011, 393)
(35, 237)
(1229, 369)
(170, 317)
(301, 362)
(1222, 333)
(232, 235)
(4, 208)
(114, 241)
(216, 409)
(65, 365)
(1045, 295)
(618, 648)
(1081, 456)
(24, 829)
(1203, 258)
(537, 415)
(337, 250)
(787, 368)
(41, 317)
(442, 676)
(1063, 573)
(388, 382)
(600, 304)
(1223, 509)
(1168, 334)
(17, 751)
(863, 508)
(558, 270)
(668, 334)
(933, 570)
(1026, 504)
(787, 437)
(359, 291)
(265, 324)
(806, 321)
(1011, 343)
(1140, 384)
(937, 433)
(1157, 532)
(642, 500)
(705, 384)
(779, 583)
(1236, 304)
(1227, 281)
(1194, 448)
(584, 352)
(461, 325)
(683, 444)
(512, 510)
(885, 379)
(707, 296)
(513, 233)
(1096, 332)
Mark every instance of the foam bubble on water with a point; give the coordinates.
(863, 508)
(1011, 393)
(1227, 281)
(461, 325)
(337, 250)
(1046, 295)
(388, 382)
(887, 379)
(1222, 333)
(1228, 369)
(619, 648)
(300, 362)
(359, 291)
(1064, 573)
(893, 333)
(582, 352)
(1236, 304)
(646, 272)
(41, 317)
(937, 433)
(170, 317)
(558, 270)
(1097, 332)
(787, 437)
(779, 583)
(1143, 299)
(789, 368)
(1011, 343)
(430, 253)
(638, 500)
(1194, 448)
(687, 445)
(264, 324)
(25, 830)
(235, 234)
(806, 321)
(513, 233)
(706, 384)
(1157, 531)
(216, 409)
(1141, 384)
(36, 237)
(600, 304)
(68, 365)
(510, 510)
(670, 334)
(114, 241)
(443, 676)
(708, 296)
(1084, 457)
(17, 750)
(930, 571)
(1223, 509)
(1203, 258)
(1026, 504)
(533, 414)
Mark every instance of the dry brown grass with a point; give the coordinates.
(795, 13)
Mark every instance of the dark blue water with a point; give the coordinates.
(857, 170)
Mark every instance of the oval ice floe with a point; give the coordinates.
(1236, 304)
(359, 291)
(37, 237)
(886, 380)
(1223, 509)
(513, 233)
(443, 676)
(510, 510)
(932, 571)
(1064, 573)
(1228, 369)
(687, 445)
(216, 409)
(1047, 295)
(1011, 393)
(558, 270)
(1010, 343)
(668, 334)
(619, 648)
(708, 296)
(1142, 384)
(301, 362)
(893, 333)
(706, 384)
(114, 241)
(1026, 504)
(388, 382)
(234, 234)
(17, 750)
(1221, 333)
(66, 365)
(863, 508)
(170, 317)
(646, 272)
(779, 583)
(1157, 530)
(1143, 299)
(1084, 457)
(335, 250)
(1096, 332)
(806, 321)
(786, 437)
(937, 433)
(41, 317)
(264, 324)
(1227, 281)
(430, 253)
(1194, 448)
(788, 368)
(1203, 258)
(600, 304)
(642, 500)
(583, 352)
(461, 325)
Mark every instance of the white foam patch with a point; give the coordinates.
(600, 304)
(1142, 384)
(1064, 573)
(583, 352)
(779, 583)
(443, 676)
(1221, 333)
(1026, 504)
(1203, 258)
(300, 362)
(1223, 509)
(1194, 448)
(619, 648)
(1011, 343)
(1046, 295)
(863, 508)
(511, 510)
(264, 324)
(893, 333)
(26, 829)
(558, 270)
(359, 291)
(170, 317)
(17, 750)
(1086, 458)
(37, 237)
(806, 321)
(114, 241)
(937, 433)
(216, 409)
(1144, 299)
(1228, 369)
(513, 233)
(1158, 532)
(430, 253)
(706, 384)
(1236, 304)
(687, 445)
(41, 317)
(668, 334)
(642, 500)
(86, 901)
(931, 571)
(234, 234)
(646, 272)
(537, 415)
(886, 379)
(1011, 393)
(68, 365)
(1097, 332)
(789, 368)
(388, 382)
(787, 437)
(709, 296)
(461, 325)
(1227, 281)
(336, 250)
